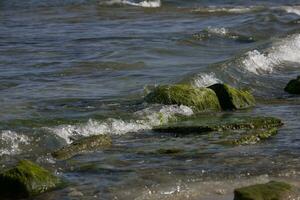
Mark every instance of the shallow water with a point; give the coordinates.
(75, 68)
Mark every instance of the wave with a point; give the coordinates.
(292, 9)
(221, 32)
(147, 119)
(287, 50)
(205, 80)
(228, 10)
(145, 4)
(10, 142)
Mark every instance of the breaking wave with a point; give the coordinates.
(287, 50)
(11, 141)
(147, 119)
(205, 80)
(292, 9)
(145, 4)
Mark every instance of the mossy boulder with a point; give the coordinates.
(200, 99)
(196, 126)
(83, 145)
(270, 191)
(25, 180)
(256, 136)
(231, 98)
(293, 87)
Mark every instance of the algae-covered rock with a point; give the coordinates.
(270, 191)
(256, 136)
(86, 144)
(293, 87)
(193, 125)
(200, 99)
(231, 98)
(169, 151)
(25, 180)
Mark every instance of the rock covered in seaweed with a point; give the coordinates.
(256, 136)
(25, 180)
(200, 99)
(195, 125)
(270, 191)
(231, 98)
(293, 87)
(86, 144)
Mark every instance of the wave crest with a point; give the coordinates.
(148, 118)
(145, 4)
(287, 50)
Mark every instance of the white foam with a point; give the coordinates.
(287, 50)
(145, 4)
(233, 10)
(292, 9)
(10, 142)
(217, 31)
(148, 118)
(205, 80)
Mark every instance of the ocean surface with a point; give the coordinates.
(74, 68)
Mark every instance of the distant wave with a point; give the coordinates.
(245, 9)
(292, 9)
(146, 119)
(205, 80)
(145, 4)
(222, 32)
(11, 141)
(287, 50)
(233, 10)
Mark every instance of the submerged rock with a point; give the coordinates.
(231, 98)
(293, 87)
(192, 126)
(86, 144)
(200, 99)
(25, 180)
(256, 136)
(270, 191)
(169, 151)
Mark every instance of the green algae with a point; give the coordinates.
(196, 125)
(200, 99)
(83, 145)
(255, 137)
(270, 191)
(25, 180)
(293, 87)
(231, 98)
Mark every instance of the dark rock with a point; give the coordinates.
(26, 180)
(231, 98)
(293, 87)
(269, 191)
(83, 145)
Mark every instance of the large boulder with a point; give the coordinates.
(25, 180)
(293, 87)
(200, 99)
(231, 98)
(83, 145)
(269, 191)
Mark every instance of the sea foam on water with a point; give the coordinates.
(286, 50)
